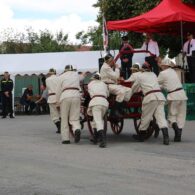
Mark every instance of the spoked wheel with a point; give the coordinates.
(89, 123)
(117, 125)
(150, 130)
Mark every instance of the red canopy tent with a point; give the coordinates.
(169, 17)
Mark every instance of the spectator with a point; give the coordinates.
(41, 103)
(27, 100)
(7, 87)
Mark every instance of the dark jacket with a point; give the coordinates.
(7, 85)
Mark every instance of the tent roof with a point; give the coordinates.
(38, 63)
(165, 18)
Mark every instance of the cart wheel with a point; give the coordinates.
(150, 130)
(117, 125)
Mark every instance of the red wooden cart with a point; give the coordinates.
(132, 110)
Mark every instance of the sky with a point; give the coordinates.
(71, 16)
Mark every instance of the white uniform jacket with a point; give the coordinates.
(108, 75)
(97, 87)
(169, 80)
(67, 80)
(148, 81)
(51, 83)
(133, 77)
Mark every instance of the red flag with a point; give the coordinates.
(105, 34)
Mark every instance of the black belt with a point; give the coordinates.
(110, 84)
(99, 96)
(70, 88)
(51, 94)
(152, 91)
(178, 89)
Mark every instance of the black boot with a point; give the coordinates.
(66, 142)
(140, 137)
(77, 135)
(58, 125)
(165, 136)
(117, 110)
(94, 139)
(102, 138)
(156, 131)
(11, 116)
(178, 132)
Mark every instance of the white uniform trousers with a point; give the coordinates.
(177, 112)
(98, 113)
(154, 108)
(70, 114)
(122, 93)
(54, 113)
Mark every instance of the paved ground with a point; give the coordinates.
(34, 162)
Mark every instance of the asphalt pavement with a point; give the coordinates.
(34, 162)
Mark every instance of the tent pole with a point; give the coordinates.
(181, 25)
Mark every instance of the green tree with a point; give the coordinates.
(123, 9)
(32, 42)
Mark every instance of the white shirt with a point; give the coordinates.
(192, 47)
(152, 47)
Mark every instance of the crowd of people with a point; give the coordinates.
(63, 94)
(64, 99)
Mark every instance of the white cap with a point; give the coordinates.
(96, 76)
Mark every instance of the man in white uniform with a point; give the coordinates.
(51, 84)
(98, 106)
(110, 74)
(152, 47)
(188, 49)
(152, 104)
(169, 80)
(135, 70)
(68, 97)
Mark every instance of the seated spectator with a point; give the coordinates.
(41, 103)
(27, 100)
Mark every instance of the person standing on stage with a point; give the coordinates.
(6, 89)
(126, 55)
(51, 84)
(188, 49)
(152, 58)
